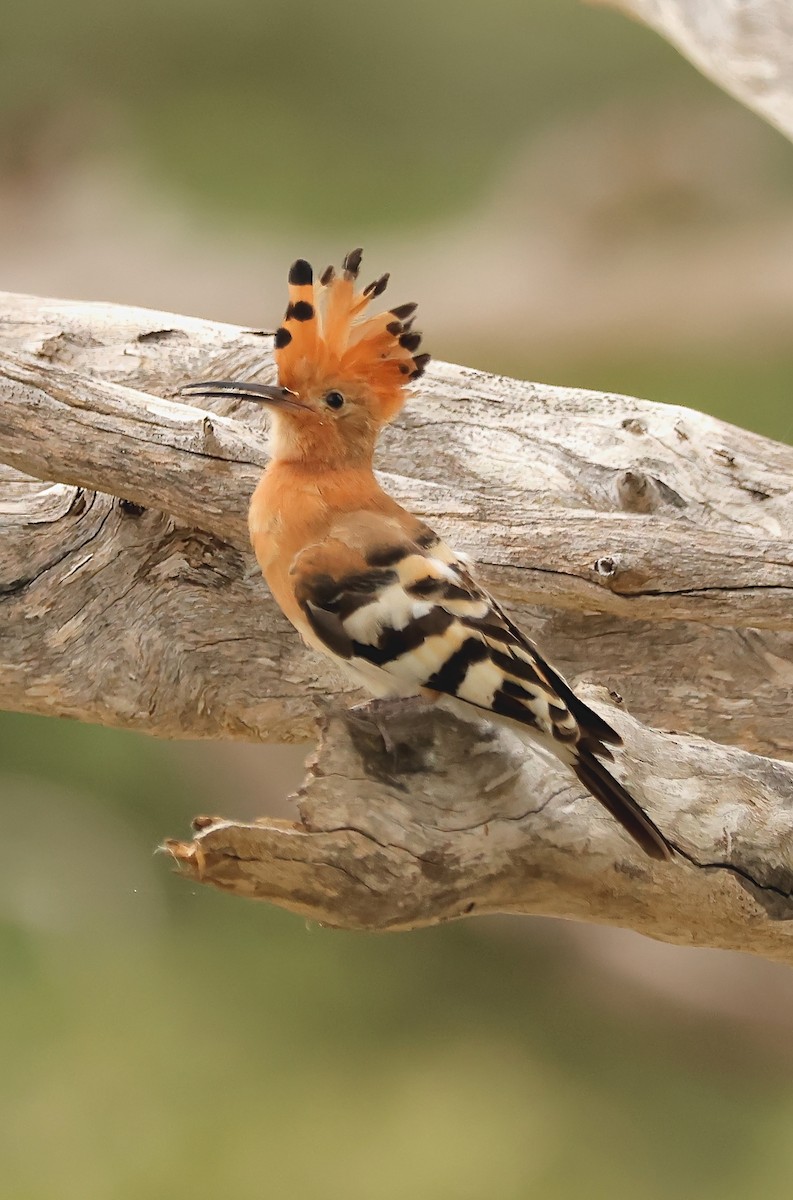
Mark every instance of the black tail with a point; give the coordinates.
(622, 806)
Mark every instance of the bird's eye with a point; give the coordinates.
(334, 399)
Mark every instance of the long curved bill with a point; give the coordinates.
(278, 397)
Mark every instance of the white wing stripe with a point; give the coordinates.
(482, 681)
(392, 608)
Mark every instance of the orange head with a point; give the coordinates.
(342, 374)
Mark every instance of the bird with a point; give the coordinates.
(366, 582)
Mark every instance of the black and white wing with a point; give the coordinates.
(406, 615)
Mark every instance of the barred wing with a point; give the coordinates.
(410, 612)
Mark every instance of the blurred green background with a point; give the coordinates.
(570, 201)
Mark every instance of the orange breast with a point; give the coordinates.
(293, 507)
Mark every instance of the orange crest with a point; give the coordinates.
(326, 338)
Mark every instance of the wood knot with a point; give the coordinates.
(635, 491)
(201, 823)
(634, 425)
(607, 567)
(131, 509)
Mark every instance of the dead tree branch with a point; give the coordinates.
(452, 819)
(744, 48)
(646, 545)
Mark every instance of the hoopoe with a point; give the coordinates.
(363, 580)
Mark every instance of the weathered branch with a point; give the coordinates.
(646, 545)
(743, 47)
(449, 819)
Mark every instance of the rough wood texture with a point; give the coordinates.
(744, 47)
(451, 819)
(645, 546)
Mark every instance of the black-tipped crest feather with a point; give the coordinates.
(300, 273)
(352, 262)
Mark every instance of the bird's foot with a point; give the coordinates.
(378, 712)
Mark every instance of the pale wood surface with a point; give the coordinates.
(745, 46)
(647, 548)
(641, 544)
(450, 820)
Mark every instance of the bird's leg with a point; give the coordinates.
(377, 712)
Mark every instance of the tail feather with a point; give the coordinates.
(622, 806)
(593, 727)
